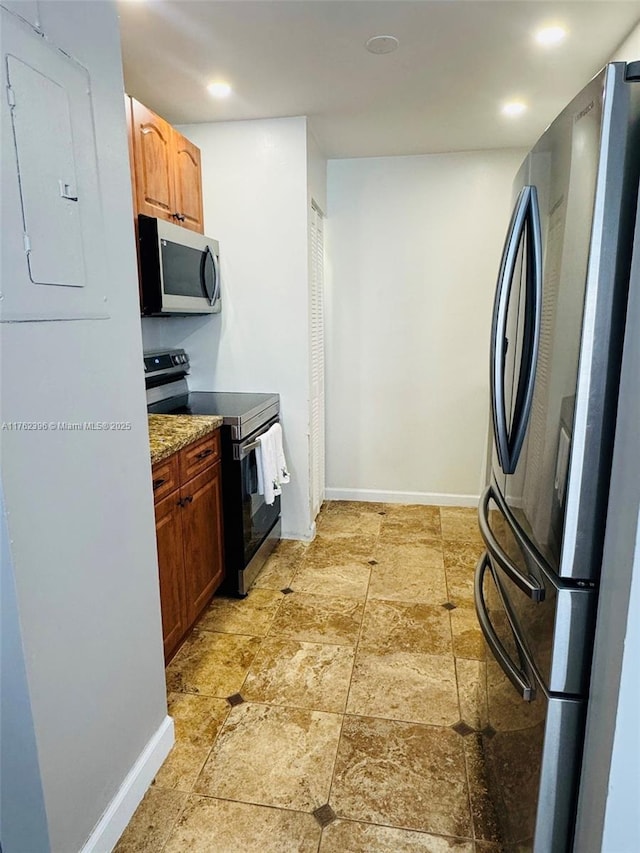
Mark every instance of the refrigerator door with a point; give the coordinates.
(527, 755)
(554, 619)
(557, 430)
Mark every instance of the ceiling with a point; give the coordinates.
(442, 90)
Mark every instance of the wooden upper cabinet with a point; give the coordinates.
(153, 163)
(188, 182)
(166, 169)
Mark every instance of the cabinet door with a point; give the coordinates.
(153, 163)
(202, 530)
(169, 516)
(188, 183)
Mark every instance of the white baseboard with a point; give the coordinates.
(129, 796)
(426, 498)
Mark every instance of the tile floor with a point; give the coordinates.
(334, 709)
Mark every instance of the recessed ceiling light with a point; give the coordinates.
(219, 89)
(382, 44)
(549, 36)
(514, 108)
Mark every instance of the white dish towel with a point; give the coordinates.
(272, 466)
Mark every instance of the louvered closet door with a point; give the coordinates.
(316, 308)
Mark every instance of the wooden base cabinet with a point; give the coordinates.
(202, 533)
(188, 535)
(171, 570)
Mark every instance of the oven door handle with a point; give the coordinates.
(248, 448)
(501, 655)
(241, 451)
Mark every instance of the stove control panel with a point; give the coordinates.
(169, 363)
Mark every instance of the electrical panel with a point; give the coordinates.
(53, 254)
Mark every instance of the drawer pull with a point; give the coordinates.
(159, 482)
(204, 453)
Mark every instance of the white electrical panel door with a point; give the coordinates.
(48, 182)
(53, 254)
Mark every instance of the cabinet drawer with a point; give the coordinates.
(199, 456)
(165, 477)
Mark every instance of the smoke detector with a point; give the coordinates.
(382, 44)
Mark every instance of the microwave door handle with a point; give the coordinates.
(206, 254)
(501, 655)
(216, 272)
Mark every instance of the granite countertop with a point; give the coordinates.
(169, 433)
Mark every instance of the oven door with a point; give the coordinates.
(258, 517)
(528, 753)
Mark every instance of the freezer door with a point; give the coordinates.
(554, 373)
(554, 619)
(527, 754)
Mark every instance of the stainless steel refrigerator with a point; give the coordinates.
(556, 343)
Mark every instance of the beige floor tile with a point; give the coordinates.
(273, 756)
(460, 585)
(405, 686)
(152, 822)
(353, 522)
(197, 720)
(390, 626)
(402, 774)
(318, 619)
(346, 836)
(483, 813)
(281, 566)
(410, 520)
(424, 554)
(350, 580)
(398, 581)
(212, 664)
(464, 554)
(350, 507)
(472, 692)
(219, 826)
(468, 640)
(251, 615)
(300, 675)
(460, 524)
(338, 550)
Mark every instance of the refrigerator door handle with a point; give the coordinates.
(526, 584)
(531, 332)
(525, 213)
(501, 655)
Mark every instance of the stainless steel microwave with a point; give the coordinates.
(179, 269)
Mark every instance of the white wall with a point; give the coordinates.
(79, 505)
(413, 247)
(255, 203)
(629, 50)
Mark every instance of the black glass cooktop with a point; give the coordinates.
(242, 411)
(225, 403)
